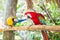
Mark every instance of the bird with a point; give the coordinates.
(11, 21)
(38, 19)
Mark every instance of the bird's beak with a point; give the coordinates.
(25, 17)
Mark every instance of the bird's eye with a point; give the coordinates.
(12, 19)
(29, 16)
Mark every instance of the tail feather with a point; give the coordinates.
(45, 36)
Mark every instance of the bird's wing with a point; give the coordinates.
(41, 18)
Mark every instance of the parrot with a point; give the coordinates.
(38, 19)
(11, 21)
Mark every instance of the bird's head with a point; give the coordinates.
(10, 21)
(30, 15)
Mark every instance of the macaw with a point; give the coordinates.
(11, 21)
(38, 19)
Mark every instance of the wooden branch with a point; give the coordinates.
(34, 27)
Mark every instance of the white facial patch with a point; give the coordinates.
(16, 20)
(29, 15)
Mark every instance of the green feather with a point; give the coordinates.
(42, 20)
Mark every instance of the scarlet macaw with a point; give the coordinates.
(38, 18)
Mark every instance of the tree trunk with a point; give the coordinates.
(29, 4)
(10, 11)
(58, 3)
(48, 1)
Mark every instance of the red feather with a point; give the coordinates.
(36, 21)
(39, 14)
(34, 17)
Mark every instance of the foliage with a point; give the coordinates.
(38, 7)
(52, 7)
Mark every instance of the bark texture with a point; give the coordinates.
(58, 3)
(29, 4)
(10, 11)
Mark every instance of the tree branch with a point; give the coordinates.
(34, 27)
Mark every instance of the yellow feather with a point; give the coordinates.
(9, 21)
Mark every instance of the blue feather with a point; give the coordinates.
(21, 20)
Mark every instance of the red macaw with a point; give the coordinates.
(38, 18)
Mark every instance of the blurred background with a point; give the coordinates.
(52, 7)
